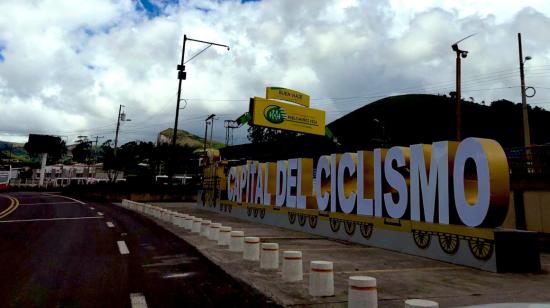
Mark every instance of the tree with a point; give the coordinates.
(55, 147)
(82, 152)
(260, 134)
(110, 164)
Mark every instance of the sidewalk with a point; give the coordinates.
(399, 276)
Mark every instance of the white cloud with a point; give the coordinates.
(68, 65)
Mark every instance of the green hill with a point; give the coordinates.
(14, 150)
(186, 138)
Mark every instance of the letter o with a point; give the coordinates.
(471, 215)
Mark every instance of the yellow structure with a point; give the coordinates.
(279, 115)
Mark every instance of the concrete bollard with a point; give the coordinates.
(183, 218)
(362, 292)
(420, 303)
(321, 278)
(164, 216)
(188, 222)
(224, 237)
(172, 217)
(196, 225)
(214, 231)
(205, 224)
(251, 249)
(269, 256)
(237, 241)
(292, 266)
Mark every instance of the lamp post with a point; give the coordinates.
(182, 75)
(121, 118)
(206, 122)
(459, 54)
(526, 134)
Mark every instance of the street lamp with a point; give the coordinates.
(526, 134)
(121, 118)
(206, 121)
(459, 54)
(182, 75)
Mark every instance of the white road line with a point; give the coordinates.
(51, 219)
(99, 213)
(122, 248)
(43, 203)
(138, 300)
(66, 198)
(110, 224)
(92, 208)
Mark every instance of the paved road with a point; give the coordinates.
(62, 252)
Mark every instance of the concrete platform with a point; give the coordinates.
(399, 276)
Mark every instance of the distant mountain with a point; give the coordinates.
(185, 138)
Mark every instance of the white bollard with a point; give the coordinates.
(224, 237)
(165, 216)
(174, 218)
(321, 278)
(420, 303)
(205, 224)
(237, 241)
(292, 265)
(269, 256)
(182, 219)
(188, 222)
(214, 231)
(362, 292)
(251, 249)
(196, 225)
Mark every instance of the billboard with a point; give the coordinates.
(279, 115)
(287, 95)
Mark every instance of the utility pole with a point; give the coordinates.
(95, 148)
(211, 132)
(206, 121)
(459, 54)
(526, 134)
(117, 127)
(121, 118)
(229, 126)
(182, 75)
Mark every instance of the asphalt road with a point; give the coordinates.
(61, 252)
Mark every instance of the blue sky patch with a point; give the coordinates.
(2, 47)
(153, 8)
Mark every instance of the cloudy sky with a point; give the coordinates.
(67, 65)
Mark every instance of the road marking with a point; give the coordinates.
(110, 224)
(92, 208)
(122, 248)
(13, 206)
(12, 203)
(43, 203)
(99, 213)
(78, 201)
(138, 300)
(50, 219)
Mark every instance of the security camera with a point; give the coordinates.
(464, 54)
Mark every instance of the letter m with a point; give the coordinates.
(427, 185)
